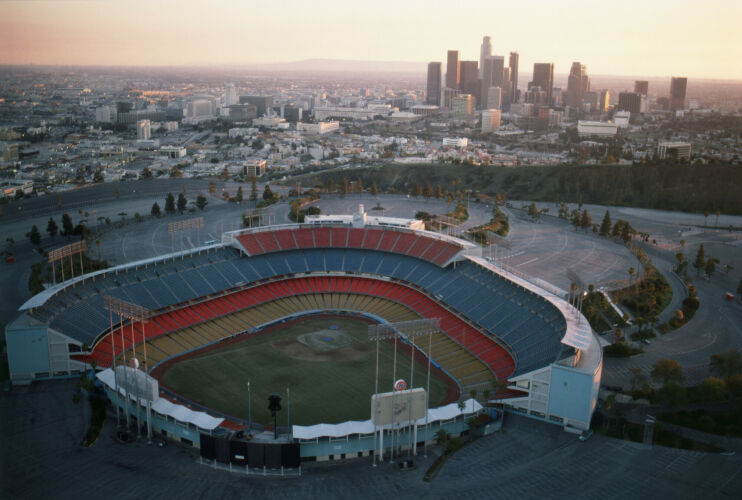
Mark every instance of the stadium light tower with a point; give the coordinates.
(174, 227)
(407, 331)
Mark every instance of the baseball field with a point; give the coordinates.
(327, 362)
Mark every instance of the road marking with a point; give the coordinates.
(527, 262)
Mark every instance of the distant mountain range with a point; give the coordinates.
(343, 65)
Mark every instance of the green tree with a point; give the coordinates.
(374, 189)
(700, 262)
(533, 211)
(182, 202)
(638, 379)
(673, 394)
(117, 192)
(68, 229)
(267, 193)
(146, 173)
(98, 177)
(170, 204)
(359, 186)
(667, 370)
(344, 188)
(34, 236)
(418, 191)
(605, 226)
(253, 188)
(713, 389)
(682, 264)
(427, 190)
(726, 363)
(212, 188)
(238, 196)
(711, 266)
(201, 201)
(51, 227)
(438, 192)
(155, 210)
(330, 186)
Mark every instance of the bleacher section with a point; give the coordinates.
(405, 242)
(509, 328)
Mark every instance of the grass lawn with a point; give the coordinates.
(330, 372)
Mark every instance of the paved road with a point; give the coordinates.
(41, 428)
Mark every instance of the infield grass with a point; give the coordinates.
(327, 386)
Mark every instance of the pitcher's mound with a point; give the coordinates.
(322, 345)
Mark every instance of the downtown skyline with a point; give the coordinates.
(616, 40)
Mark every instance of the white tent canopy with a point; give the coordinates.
(343, 429)
(164, 407)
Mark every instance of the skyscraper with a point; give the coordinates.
(605, 100)
(434, 84)
(513, 63)
(468, 79)
(230, 96)
(577, 84)
(641, 87)
(491, 76)
(678, 86)
(543, 76)
(462, 107)
(144, 128)
(484, 51)
(631, 102)
(452, 69)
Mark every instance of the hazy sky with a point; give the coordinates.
(632, 37)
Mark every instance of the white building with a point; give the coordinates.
(104, 114)
(173, 152)
(425, 110)
(367, 113)
(621, 118)
(674, 150)
(455, 142)
(271, 122)
(144, 130)
(361, 219)
(200, 109)
(254, 168)
(596, 129)
(318, 128)
(490, 120)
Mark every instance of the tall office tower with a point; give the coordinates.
(491, 75)
(678, 85)
(506, 87)
(143, 129)
(494, 98)
(485, 51)
(434, 84)
(490, 120)
(577, 84)
(543, 76)
(468, 79)
(631, 102)
(605, 101)
(447, 96)
(641, 87)
(514, 58)
(230, 96)
(462, 107)
(452, 69)
(263, 103)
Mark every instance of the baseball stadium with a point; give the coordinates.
(191, 345)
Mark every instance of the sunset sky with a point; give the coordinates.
(626, 37)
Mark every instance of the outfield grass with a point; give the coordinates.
(329, 391)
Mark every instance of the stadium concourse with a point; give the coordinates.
(494, 326)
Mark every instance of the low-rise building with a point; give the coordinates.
(674, 150)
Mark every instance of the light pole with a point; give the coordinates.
(249, 409)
